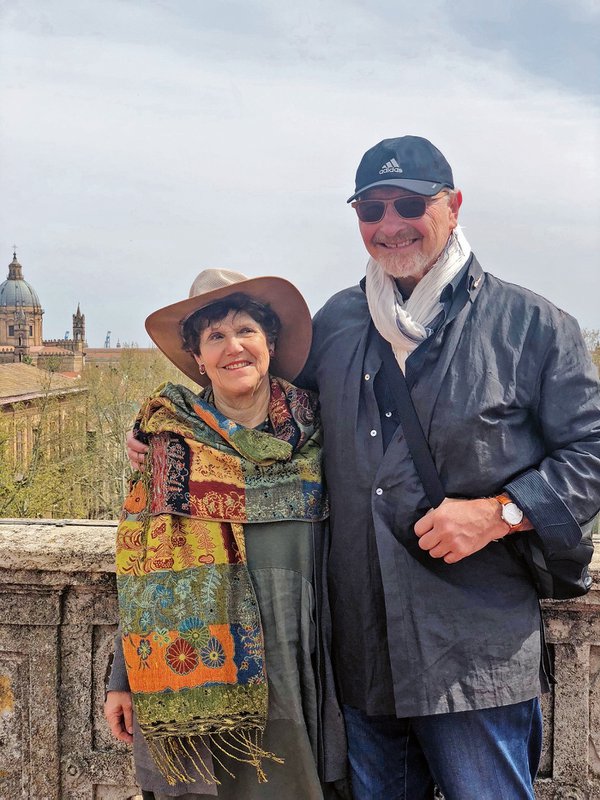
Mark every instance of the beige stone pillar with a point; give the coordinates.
(57, 619)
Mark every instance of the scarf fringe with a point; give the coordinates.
(244, 746)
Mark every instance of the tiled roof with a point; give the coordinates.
(20, 382)
(111, 352)
(49, 350)
(54, 351)
(105, 355)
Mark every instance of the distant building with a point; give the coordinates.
(21, 339)
(39, 408)
(111, 356)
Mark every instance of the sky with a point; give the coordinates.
(142, 141)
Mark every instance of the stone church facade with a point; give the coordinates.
(21, 336)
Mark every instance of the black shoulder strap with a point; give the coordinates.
(411, 426)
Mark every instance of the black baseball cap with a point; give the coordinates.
(409, 162)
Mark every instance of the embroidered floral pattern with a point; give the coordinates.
(161, 637)
(183, 588)
(194, 631)
(161, 596)
(144, 650)
(213, 654)
(146, 621)
(251, 637)
(182, 657)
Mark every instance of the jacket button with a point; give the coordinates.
(379, 490)
(373, 433)
(367, 377)
(388, 413)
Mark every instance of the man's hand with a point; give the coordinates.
(118, 711)
(136, 451)
(458, 528)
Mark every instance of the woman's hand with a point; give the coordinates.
(118, 710)
(136, 451)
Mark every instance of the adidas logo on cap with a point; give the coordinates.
(390, 166)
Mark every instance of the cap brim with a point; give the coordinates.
(426, 188)
(293, 343)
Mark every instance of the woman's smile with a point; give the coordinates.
(237, 365)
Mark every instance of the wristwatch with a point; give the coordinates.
(510, 512)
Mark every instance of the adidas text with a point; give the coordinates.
(390, 166)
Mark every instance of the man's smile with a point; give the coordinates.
(397, 245)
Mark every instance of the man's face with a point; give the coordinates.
(408, 248)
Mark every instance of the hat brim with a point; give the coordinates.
(293, 342)
(426, 188)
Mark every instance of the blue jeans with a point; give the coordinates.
(492, 754)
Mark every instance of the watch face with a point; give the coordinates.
(512, 514)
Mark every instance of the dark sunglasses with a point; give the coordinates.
(411, 207)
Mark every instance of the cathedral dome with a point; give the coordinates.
(15, 291)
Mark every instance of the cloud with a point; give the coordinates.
(552, 39)
(586, 10)
(148, 140)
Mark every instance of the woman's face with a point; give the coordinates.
(235, 353)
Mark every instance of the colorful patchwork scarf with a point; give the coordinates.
(192, 637)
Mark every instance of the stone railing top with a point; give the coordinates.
(57, 545)
(76, 545)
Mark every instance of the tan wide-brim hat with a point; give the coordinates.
(293, 342)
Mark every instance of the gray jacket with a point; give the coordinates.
(509, 400)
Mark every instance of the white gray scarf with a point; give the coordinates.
(405, 324)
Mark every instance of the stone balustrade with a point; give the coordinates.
(57, 618)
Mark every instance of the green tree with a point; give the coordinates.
(42, 457)
(114, 397)
(76, 464)
(592, 339)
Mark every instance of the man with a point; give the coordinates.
(437, 634)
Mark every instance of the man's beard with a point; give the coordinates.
(399, 265)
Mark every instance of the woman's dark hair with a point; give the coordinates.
(215, 312)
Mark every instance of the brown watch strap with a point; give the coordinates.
(504, 500)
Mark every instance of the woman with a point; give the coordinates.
(216, 559)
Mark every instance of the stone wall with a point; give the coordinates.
(57, 616)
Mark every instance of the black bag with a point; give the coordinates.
(558, 575)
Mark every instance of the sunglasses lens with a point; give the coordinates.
(410, 207)
(370, 210)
